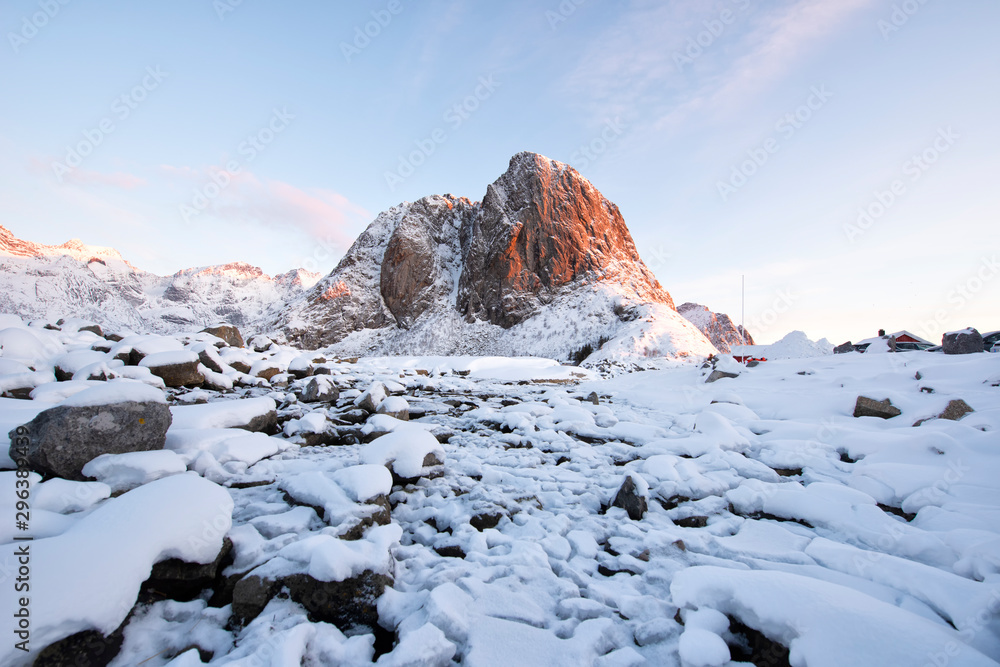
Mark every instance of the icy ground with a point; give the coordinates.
(779, 528)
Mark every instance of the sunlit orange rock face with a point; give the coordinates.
(541, 227)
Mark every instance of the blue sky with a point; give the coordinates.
(738, 137)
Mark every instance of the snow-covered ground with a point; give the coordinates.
(778, 528)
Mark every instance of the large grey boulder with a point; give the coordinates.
(114, 418)
(967, 341)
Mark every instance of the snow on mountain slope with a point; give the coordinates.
(717, 327)
(73, 279)
(543, 266)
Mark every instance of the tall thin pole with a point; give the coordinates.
(743, 302)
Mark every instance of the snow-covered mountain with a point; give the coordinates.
(47, 282)
(543, 265)
(716, 326)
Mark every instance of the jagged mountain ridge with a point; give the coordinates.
(543, 265)
(46, 282)
(717, 327)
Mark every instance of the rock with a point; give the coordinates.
(718, 375)
(320, 388)
(241, 366)
(486, 520)
(226, 332)
(261, 343)
(263, 423)
(179, 580)
(89, 647)
(210, 359)
(956, 409)
(594, 398)
(176, 369)
(692, 522)
(844, 348)
(967, 341)
(869, 407)
(630, 499)
(346, 604)
(395, 406)
(265, 371)
(62, 439)
(371, 398)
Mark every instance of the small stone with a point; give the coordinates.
(956, 409)
(718, 375)
(869, 407)
(629, 499)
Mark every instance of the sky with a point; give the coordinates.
(839, 159)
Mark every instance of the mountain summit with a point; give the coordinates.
(544, 265)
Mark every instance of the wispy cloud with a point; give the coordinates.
(782, 39)
(636, 62)
(319, 212)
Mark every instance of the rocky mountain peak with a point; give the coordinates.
(543, 257)
(540, 227)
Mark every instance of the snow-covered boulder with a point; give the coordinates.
(409, 453)
(177, 368)
(337, 581)
(320, 388)
(111, 418)
(124, 472)
(371, 398)
(396, 407)
(93, 572)
(250, 414)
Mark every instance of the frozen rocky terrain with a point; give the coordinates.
(265, 505)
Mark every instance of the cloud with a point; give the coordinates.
(635, 62)
(776, 46)
(318, 212)
(86, 177)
